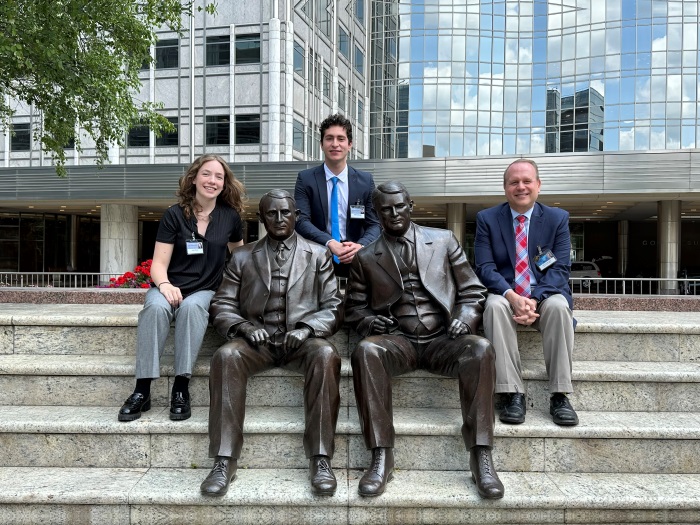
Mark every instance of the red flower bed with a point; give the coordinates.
(139, 278)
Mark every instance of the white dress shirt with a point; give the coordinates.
(343, 193)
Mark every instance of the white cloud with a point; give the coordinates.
(658, 52)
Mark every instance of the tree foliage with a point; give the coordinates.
(77, 62)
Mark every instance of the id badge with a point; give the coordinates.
(195, 247)
(357, 211)
(544, 260)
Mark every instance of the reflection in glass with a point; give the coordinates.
(533, 76)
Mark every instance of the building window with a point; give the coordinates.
(323, 17)
(21, 137)
(298, 59)
(341, 97)
(138, 137)
(70, 144)
(326, 83)
(317, 76)
(248, 49)
(218, 50)
(310, 150)
(343, 42)
(169, 138)
(360, 11)
(298, 136)
(218, 130)
(311, 67)
(359, 61)
(360, 112)
(248, 129)
(353, 105)
(167, 54)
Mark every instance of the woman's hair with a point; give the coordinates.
(232, 194)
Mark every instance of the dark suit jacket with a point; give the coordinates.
(313, 298)
(494, 250)
(375, 281)
(311, 195)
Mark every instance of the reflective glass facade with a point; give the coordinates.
(471, 77)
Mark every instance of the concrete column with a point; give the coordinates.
(274, 90)
(669, 241)
(622, 247)
(456, 219)
(119, 235)
(289, 89)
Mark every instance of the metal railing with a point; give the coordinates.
(54, 279)
(584, 285)
(634, 286)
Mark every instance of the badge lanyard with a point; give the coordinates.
(357, 210)
(194, 247)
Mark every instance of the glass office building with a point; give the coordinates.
(453, 78)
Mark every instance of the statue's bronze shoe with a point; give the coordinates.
(379, 473)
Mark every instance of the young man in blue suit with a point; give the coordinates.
(522, 252)
(335, 199)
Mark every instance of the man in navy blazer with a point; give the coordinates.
(358, 223)
(538, 295)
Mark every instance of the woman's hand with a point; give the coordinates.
(171, 293)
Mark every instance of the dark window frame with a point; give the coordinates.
(343, 42)
(299, 68)
(245, 50)
(217, 130)
(359, 57)
(170, 139)
(247, 129)
(360, 11)
(167, 53)
(218, 50)
(326, 82)
(138, 137)
(298, 136)
(21, 137)
(342, 98)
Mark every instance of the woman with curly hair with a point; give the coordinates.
(194, 237)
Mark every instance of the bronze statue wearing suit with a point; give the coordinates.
(278, 300)
(416, 301)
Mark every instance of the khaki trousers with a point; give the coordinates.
(557, 326)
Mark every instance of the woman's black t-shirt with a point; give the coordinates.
(192, 273)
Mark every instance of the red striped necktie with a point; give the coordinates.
(522, 267)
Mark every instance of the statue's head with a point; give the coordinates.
(393, 205)
(278, 212)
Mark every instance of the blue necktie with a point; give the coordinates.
(335, 221)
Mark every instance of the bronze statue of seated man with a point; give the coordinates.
(278, 300)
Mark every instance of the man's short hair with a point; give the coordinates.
(390, 187)
(277, 194)
(527, 161)
(336, 120)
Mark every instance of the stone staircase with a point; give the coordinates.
(66, 369)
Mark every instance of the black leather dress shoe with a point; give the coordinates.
(561, 410)
(220, 477)
(180, 406)
(484, 473)
(323, 481)
(514, 411)
(379, 473)
(133, 406)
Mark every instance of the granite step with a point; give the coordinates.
(111, 330)
(636, 442)
(106, 380)
(272, 496)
